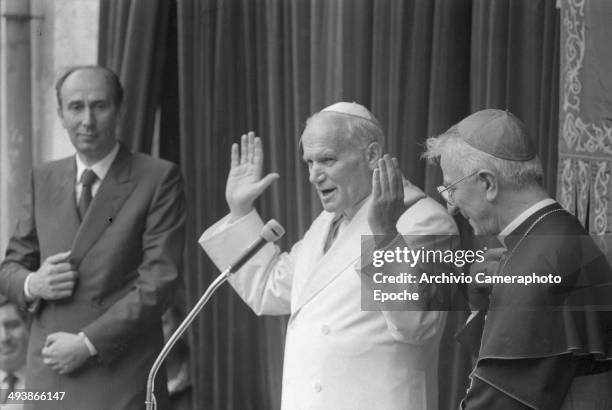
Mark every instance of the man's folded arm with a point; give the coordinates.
(162, 249)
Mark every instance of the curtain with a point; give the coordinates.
(515, 66)
(266, 65)
(132, 43)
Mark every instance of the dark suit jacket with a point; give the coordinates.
(127, 251)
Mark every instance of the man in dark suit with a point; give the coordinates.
(96, 254)
(545, 345)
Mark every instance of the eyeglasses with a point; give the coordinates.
(446, 191)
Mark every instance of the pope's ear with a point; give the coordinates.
(490, 183)
(373, 154)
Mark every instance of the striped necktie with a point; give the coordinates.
(87, 180)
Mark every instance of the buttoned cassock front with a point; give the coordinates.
(336, 355)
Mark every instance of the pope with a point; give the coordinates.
(337, 356)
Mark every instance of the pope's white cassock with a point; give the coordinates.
(336, 355)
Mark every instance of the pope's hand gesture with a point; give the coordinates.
(390, 198)
(244, 182)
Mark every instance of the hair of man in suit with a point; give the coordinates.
(89, 110)
(14, 334)
(113, 79)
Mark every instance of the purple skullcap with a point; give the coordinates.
(353, 109)
(498, 133)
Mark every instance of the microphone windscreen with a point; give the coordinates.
(272, 231)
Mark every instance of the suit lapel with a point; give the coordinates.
(114, 190)
(343, 254)
(62, 197)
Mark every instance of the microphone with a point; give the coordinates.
(271, 232)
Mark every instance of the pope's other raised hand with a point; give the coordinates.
(391, 196)
(244, 182)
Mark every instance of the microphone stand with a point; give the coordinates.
(150, 401)
(271, 232)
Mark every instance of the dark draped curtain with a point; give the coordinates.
(515, 65)
(266, 65)
(133, 42)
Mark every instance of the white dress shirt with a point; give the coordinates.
(100, 168)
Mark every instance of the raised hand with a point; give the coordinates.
(244, 182)
(387, 203)
(390, 198)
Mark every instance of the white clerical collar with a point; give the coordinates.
(523, 217)
(100, 168)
